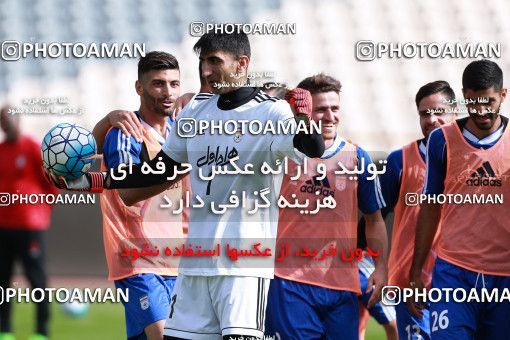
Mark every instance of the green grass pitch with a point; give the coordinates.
(103, 322)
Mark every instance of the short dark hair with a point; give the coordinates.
(438, 86)
(156, 60)
(482, 75)
(234, 43)
(320, 83)
(279, 89)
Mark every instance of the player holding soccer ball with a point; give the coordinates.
(133, 218)
(469, 156)
(405, 173)
(214, 298)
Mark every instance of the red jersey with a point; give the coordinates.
(21, 173)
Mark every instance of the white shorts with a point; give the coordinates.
(209, 307)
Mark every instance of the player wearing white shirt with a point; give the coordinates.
(208, 150)
(217, 297)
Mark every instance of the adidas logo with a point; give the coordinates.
(322, 187)
(484, 176)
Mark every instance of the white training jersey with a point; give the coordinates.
(235, 228)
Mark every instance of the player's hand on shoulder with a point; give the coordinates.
(181, 102)
(300, 101)
(127, 122)
(91, 181)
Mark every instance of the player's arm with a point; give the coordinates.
(132, 196)
(138, 179)
(378, 241)
(370, 202)
(126, 121)
(391, 180)
(180, 103)
(119, 149)
(390, 189)
(311, 144)
(170, 159)
(119, 178)
(428, 220)
(429, 215)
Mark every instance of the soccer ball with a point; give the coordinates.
(68, 150)
(75, 309)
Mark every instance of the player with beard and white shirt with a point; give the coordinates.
(216, 296)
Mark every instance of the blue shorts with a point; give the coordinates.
(410, 326)
(149, 301)
(380, 312)
(302, 311)
(473, 319)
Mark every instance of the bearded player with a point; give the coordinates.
(133, 218)
(468, 157)
(214, 297)
(314, 298)
(405, 173)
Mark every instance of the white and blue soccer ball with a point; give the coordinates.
(76, 309)
(68, 150)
